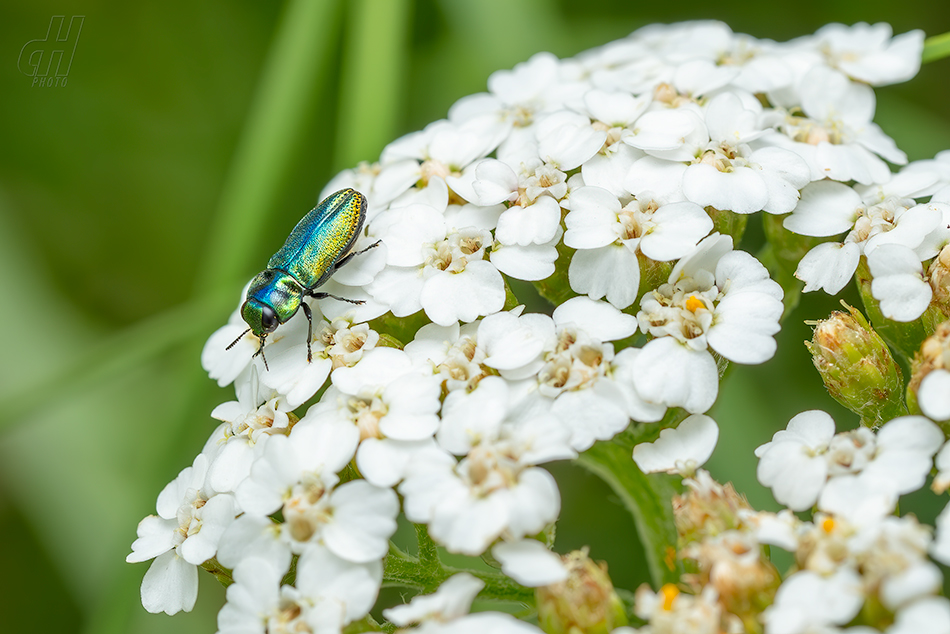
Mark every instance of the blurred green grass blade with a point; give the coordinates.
(372, 80)
(936, 47)
(297, 64)
(648, 499)
(116, 355)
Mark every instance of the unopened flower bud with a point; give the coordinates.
(857, 367)
(733, 563)
(584, 603)
(707, 508)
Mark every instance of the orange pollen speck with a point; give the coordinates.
(694, 303)
(669, 592)
(828, 525)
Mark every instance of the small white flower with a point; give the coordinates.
(840, 143)
(729, 175)
(329, 594)
(233, 446)
(868, 53)
(446, 611)
(792, 464)
(828, 208)
(494, 490)
(867, 472)
(610, 236)
(184, 534)
(436, 267)
(715, 298)
(296, 474)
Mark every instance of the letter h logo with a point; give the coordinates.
(37, 56)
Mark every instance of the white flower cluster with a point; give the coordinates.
(610, 180)
(875, 561)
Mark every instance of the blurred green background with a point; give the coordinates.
(136, 200)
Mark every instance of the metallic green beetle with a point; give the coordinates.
(318, 246)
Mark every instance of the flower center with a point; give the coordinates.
(306, 508)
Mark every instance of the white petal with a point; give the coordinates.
(598, 319)
(663, 178)
(383, 462)
(609, 170)
(568, 146)
(928, 615)
(796, 479)
(742, 190)
(170, 585)
(861, 499)
(679, 450)
(529, 563)
(322, 574)
(612, 271)
(363, 521)
(933, 396)
(155, 536)
(531, 263)
(597, 413)
(680, 226)
(898, 282)
(826, 208)
(535, 224)
(592, 220)
(744, 327)
(476, 291)
(511, 342)
(829, 266)
(670, 373)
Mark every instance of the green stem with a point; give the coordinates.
(372, 78)
(649, 501)
(428, 551)
(936, 47)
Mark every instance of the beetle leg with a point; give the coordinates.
(352, 254)
(260, 351)
(306, 311)
(323, 295)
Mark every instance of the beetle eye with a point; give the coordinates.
(269, 320)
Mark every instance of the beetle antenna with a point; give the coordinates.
(241, 336)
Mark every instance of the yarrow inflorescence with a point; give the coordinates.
(619, 183)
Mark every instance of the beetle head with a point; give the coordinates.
(260, 317)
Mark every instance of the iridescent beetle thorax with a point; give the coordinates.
(275, 289)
